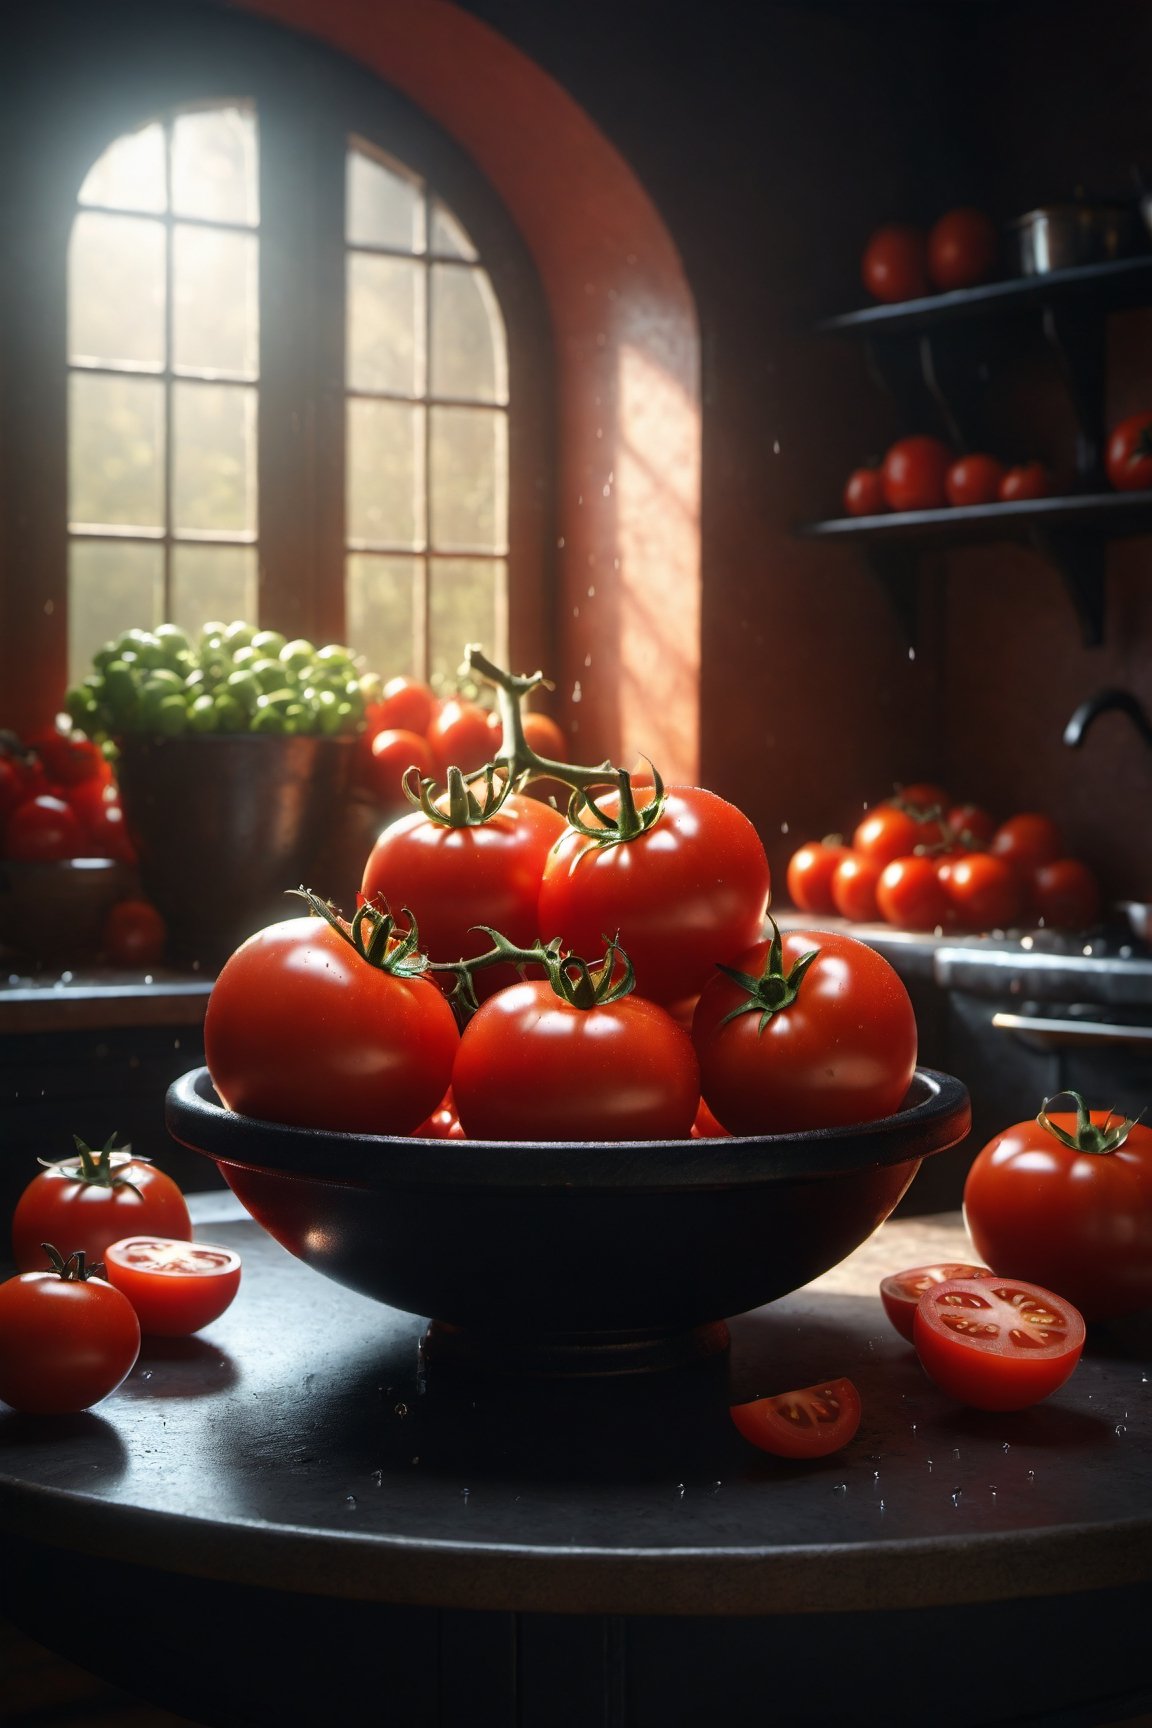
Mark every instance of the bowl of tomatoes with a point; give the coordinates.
(572, 1251)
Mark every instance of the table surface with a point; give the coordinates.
(301, 1443)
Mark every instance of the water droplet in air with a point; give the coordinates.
(378, 1478)
(839, 1487)
(1031, 1475)
(401, 1409)
(349, 1499)
(1120, 1428)
(957, 1496)
(1007, 1446)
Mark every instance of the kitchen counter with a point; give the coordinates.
(88, 997)
(298, 1483)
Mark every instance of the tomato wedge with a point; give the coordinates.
(997, 1343)
(901, 1291)
(175, 1287)
(808, 1423)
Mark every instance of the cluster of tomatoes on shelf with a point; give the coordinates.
(924, 473)
(902, 261)
(104, 1255)
(922, 862)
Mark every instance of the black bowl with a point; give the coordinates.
(617, 1243)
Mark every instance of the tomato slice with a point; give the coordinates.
(808, 1423)
(901, 1291)
(175, 1287)
(997, 1343)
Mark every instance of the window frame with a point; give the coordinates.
(111, 70)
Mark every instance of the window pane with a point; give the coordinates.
(116, 290)
(214, 449)
(448, 237)
(212, 582)
(383, 604)
(214, 166)
(385, 206)
(469, 359)
(214, 312)
(385, 498)
(112, 586)
(386, 342)
(469, 480)
(116, 451)
(466, 604)
(130, 174)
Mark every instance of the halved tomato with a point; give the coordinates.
(808, 1423)
(901, 1291)
(175, 1287)
(997, 1343)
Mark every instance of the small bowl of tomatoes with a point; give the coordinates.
(573, 1256)
(54, 912)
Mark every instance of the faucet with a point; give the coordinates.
(1090, 710)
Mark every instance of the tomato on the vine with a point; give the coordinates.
(67, 1338)
(810, 872)
(462, 735)
(971, 825)
(85, 1202)
(689, 891)
(864, 493)
(974, 479)
(997, 1343)
(808, 1030)
(1066, 1200)
(900, 1292)
(910, 894)
(984, 891)
(175, 1286)
(326, 1025)
(809, 1423)
(894, 265)
(895, 831)
(1128, 454)
(1028, 840)
(914, 472)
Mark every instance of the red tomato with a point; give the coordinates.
(1028, 840)
(134, 934)
(1026, 480)
(542, 734)
(788, 1046)
(107, 832)
(176, 1287)
(70, 758)
(900, 1292)
(706, 1127)
(67, 1339)
(895, 263)
(854, 884)
(963, 247)
(892, 831)
(971, 825)
(864, 493)
(454, 879)
(974, 479)
(996, 1343)
(91, 1200)
(531, 1066)
(1065, 895)
(11, 788)
(810, 872)
(687, 894)
(442, 1124)
(910, 894)
(924, 797)
(461, 735)
(1077, 1217)
(984, 891)
(1128, 456)
(405, 705)
(914, 472)
(44, 830)
(301, 1028)
(809, 1423)
(393, 751)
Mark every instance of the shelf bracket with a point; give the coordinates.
(1081, 560)
(1080, 345)
(895, 568)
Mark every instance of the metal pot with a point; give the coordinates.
(1058, 236)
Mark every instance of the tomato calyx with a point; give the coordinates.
(373, 933)
(1088, 1136)
(628, 823)
(74, 1269)
(774, 989)
(574, 980)
(464, 808)
(99, 1169)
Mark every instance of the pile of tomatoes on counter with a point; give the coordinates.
(920, 861)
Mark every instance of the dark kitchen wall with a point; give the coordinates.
(772, 139)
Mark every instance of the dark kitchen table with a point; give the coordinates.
(294, 1518)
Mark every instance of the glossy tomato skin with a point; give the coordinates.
(1065, 895)
(855, 881)
(64, 1343)
(966, 1335)
(686, 895)
(176, 1287)
(894, 265)
(301, 1029)
(462, 734)
(972, 824)
(911, 895)
(391, 753)
(1025, 481)
(454, 879)
(1076, 1222)
(963, 246)
(914, 473)
(44, 830)
(891, 831)
(809, 1423)
(533, 1067)
(134, 934)
(843, 1051)
(900, 1292)
(864, 493)
(76, 1216)
(974, 479)
(984, 891)
(810, 872)
(1128, 454)
(1028, 840)
(405, 705)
